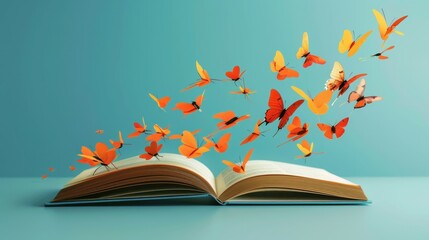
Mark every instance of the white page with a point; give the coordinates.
(265, 167)
(166, 159)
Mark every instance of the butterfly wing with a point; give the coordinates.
(339, 128)
(360, 89)
(323, 98)
(189, 144)
(326, 129)
(346, 41)
(246, 159)
(276, 106)
(301, 93)
(234, 74)
(278, 62)
(358, 43)
(394, 25)
(222, 143)
(232, 165)
(337, 77)
(310, 59)
(289, 112)
(304, 46)
(199, 99)
(304, 147)
(225, 116)
(287, 73)
(382, 25)
(371, 99)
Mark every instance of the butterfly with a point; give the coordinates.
(204, 78)
(119, 144)
(244, 90)
(296, 130)
(337, 129)
(318, 105)
(303, 51)
(380, 54)
(102, 156)
(188, 108)
(99, 131)
(159, 133)
(139, 129)
(51, 169)
(278, 111)
(254, 135)
(178, 136)
(384, 29)
(338, 82)
(348, 44)
(229, 119)
(151, 151)
(239, 168)
(306, 149)
(360, 99)
(278, 66)
(162, 102)
(190, 148)
(221, 145)
(72, 168)
(235, 74)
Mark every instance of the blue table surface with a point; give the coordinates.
(399, 211)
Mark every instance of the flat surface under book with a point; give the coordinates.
(399, 210)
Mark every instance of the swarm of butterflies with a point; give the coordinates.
(104, 155)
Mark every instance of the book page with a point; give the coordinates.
(264, 167)
(166, 159)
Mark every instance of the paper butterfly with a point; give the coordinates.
(159, 133)
(303, 52)
(360, 99)
(139, 129)
(278, 66)
(188, 108)
(229, 119)
(384, 29)
(239, 168)
(221, 145)
(254, 135)
(318, 105)
(190, 148)
(151, 151)
(204, 77)
(337, 129)
(162, 102)
(296, 130)
(347, 44)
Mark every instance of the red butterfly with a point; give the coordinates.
(235, 74)
(151, 151)
(337, 129)
(278, 111)
(296, 130)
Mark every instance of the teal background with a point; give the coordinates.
(68, 68)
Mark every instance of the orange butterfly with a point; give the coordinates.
(254, 135)
(188, 108)
(229, 119)
(190, 148)
(159, 133)
(296, 130)
(204, 78)
(72, 168)
(151, 151)
(102, 155)
(139, 129)
(178, 136)
(235, 74)
(162, 102)
(380, 54)
(348, 44)
(360, 99)
(384, 29)
(118, 144)
(278, 111)
(338, 82)
(244, 90)
(221, 146)
(306, 149)
(99, 131)
(303, 51)
(278, 66)
(337, 129)
(318, 105)
(239, 168)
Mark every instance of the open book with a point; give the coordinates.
(175, 176)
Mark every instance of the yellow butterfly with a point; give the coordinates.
(318, 105)
(348, 44)
(385, 30)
